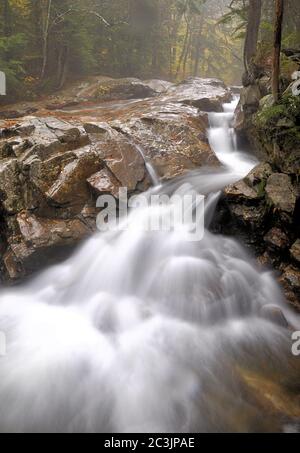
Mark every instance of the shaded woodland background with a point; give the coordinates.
(46, 43)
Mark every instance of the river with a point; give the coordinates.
(147, 332)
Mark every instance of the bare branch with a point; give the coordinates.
(60, 18)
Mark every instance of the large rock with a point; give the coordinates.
(173, 138)
(295, 251)
(40, 240)
(241, 191)
(57, 173)
(277, 239)
(248, 105)
(96, 128)
(123, 159)
(244, 200)
(70, 189)
(43, 137)
(205, 94)
(104, 182)
(42, 233)
(290, 281)
(41, 175)
(250, 98)
(257, 178)
(103, 89)
(11, 195)
(280, 192)
(51, 136)
(159, 86)
(116, 89)
(250, 218)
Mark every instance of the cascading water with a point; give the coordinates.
(223, 140)
(149, 167)
(147, 332)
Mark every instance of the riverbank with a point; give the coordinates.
(263, 210)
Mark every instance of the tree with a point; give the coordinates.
(279, 10)
(252, 33)
(7, 18)
(46, 24)
(46, 43)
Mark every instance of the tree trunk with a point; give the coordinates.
(198, 49)
(188, 47)
(7, 25)
(45, 38)
(254, 18)
(277, 48)
(6, 18)
(174, 43)
(62, 65)
(184, 49)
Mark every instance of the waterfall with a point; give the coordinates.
(149, 167)
(222, 138)
(147, 332)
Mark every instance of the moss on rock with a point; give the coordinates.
(278, 125)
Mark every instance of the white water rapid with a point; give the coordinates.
(223, 140)
(147, 332)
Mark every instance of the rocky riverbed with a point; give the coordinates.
(173, 317)
(59, 154)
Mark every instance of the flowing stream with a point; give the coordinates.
(147, 332)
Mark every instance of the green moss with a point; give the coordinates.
(280, 124)
(288, 107)
(269, 116)
(292, 137)
(260, 188)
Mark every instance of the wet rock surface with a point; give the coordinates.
(295, 251)
(89, 140)
(290, 281)
(49, 188)
(204, 94)
(280, 193)
(172, 138)
(40, 241)
(263, 211)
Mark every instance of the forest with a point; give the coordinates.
(149, 219)
(44, 43)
